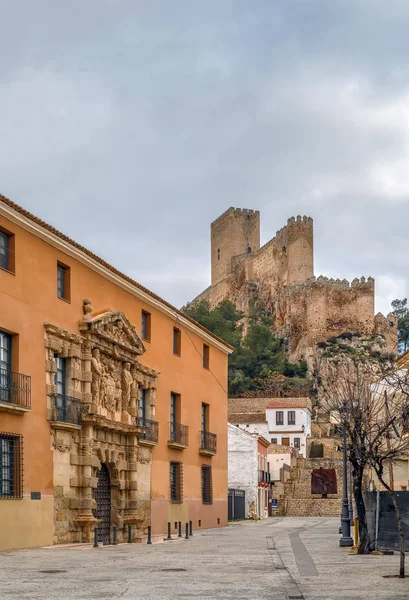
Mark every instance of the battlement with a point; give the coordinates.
(340, 284)
(237, 212)
(299, 220)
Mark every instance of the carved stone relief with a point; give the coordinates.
(104, 373)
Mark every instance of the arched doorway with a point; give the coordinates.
(103, 500)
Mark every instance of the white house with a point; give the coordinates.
(289, 422)
(247, 459)
(285, 421)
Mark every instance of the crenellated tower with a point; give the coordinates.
(300, 251)
(235, 232)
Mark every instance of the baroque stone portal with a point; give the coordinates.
(103, 383)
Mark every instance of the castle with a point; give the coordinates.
(279, 276)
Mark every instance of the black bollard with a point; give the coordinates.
(180, 529)
(96, 537)
(129, 534)
(187, 531)
(169, 534)
(149, 535)
(115, 542)
(191, 528)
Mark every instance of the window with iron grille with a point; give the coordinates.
(291, 417)
(63, 282)
(11, 466)
(207, 484)
(273, 440)
(176, 482)
(297, 443)
(279, 417)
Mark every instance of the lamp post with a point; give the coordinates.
(346, 539)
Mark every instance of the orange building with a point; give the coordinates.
(113, 403)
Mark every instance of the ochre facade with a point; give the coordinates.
(86, 457)
(280, 277)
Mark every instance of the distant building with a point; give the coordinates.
(285, 421)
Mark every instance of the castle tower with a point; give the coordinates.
(300, 250)
(236, 231)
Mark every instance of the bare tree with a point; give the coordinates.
(345, 370)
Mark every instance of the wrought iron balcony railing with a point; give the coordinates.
(264, 476)
(178, 434)
(150, 433)
(208, 441)
(66, 410)
(15, 388)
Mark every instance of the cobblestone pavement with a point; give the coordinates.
(273, 559)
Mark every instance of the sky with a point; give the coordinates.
(131, 125)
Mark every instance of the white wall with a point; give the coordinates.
(276, 461)
(243, 463)
(260, 428)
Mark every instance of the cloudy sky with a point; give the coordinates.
(131, 124)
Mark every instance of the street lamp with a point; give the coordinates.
(346, 539)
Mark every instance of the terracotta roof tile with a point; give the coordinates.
(289, 403)
(105, 264)
(255, 417)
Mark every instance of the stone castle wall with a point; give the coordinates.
(280, 277)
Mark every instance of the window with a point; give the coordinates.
(279, 417)
(206, 353)
(146, 326)
(142, 402)
(273, 440)
(4, 250)
(7, 252)
(218, 253)
(291, 417)
(177, 339)
(249, 250)
(205, 417)
(297, 443)
(60, 400)
(207, 484)
(11, 472)
(174, 406)
(5, 367)
(63, 282)
(176, 482)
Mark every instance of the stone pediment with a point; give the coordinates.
(114, 328)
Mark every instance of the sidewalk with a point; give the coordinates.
(309, 549)
(276, 559)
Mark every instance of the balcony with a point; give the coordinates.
(66, 412)
(208, 443)
(149, 437)
(178, 436)
(264, 477)
(15, 392)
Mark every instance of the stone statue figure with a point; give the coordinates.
(120, 333)
(110, 388)
(97, 370)
(127, 381)
(76, 365)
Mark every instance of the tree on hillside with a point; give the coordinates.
(257, 351)
(401, 312)
(344, 373)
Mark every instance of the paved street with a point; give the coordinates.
(274, 559)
